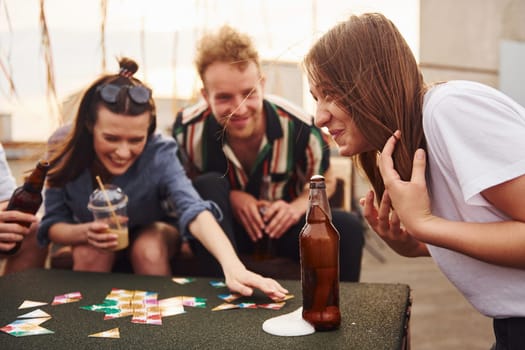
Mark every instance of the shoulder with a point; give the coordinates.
(464, 93)
(460, 102)
(291, 109)
(192, 113)
(159, 145)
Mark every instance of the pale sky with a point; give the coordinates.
(282, 30)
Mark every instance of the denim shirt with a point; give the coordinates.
(156, 185)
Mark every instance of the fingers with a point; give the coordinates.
(6, 246)
(418, 168)
(251, 229)
(99, 237)
(369, 209)
(102, 240)
(243, 281)
(268, 286)
(240, 288)
(17, 216)
(390, 144)
(386, 163)
(11, 237)
(395, 224)
(13, 229)
(251, 220)
(283, 215)
(274, 290)
(384, 212)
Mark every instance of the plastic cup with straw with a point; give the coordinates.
(109, 204)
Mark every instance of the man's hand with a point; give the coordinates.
(12, 228)
(245, 209)
(279, 217)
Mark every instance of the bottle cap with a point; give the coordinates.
(317, 181)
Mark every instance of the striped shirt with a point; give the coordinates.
(292, 150)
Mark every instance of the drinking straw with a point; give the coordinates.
(101, 185)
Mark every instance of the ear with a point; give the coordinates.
(205, 95)
(263, 81)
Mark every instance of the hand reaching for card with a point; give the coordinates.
(243, 281)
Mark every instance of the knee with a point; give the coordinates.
(87, 258)
(149, 250)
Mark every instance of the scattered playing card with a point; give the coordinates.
(67, 298)
(111, 333)
(171, 310)
(35, 314)
(183, 280)
(225, 306)
(217, 284)
(193, 301)
(29, 303)
(286, 297)
(247, 305)
(229, 297)
(272, 306)
(27, 327)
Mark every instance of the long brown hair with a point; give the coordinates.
(370, 71)
(75, 151)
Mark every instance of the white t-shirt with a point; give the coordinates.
(476, 139)
(7, 181)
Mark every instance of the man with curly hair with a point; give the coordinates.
(237, 140)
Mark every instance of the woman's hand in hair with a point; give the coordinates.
(385, 222)
(409, 198)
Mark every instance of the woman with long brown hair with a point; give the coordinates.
(113, 138)
(446, 163)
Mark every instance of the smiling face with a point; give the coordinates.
(235, 96)
(339, 123)
(119, 139)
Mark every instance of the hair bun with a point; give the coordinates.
(128, 67)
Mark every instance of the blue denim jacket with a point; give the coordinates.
(157, 188)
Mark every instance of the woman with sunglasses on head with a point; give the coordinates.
(113, 137)
(463, 141)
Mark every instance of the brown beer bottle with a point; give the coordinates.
(28, 197)
(319, 247)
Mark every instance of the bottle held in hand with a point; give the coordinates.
(28, 197)
(319, 249)
(264, 246)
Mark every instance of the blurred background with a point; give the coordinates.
(50, 49)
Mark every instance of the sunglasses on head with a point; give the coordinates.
(138, 93)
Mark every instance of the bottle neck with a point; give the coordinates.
(318, 198)
(35, 181)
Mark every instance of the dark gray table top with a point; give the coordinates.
(373, 315)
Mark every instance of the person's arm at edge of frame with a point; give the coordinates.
(206, 229)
